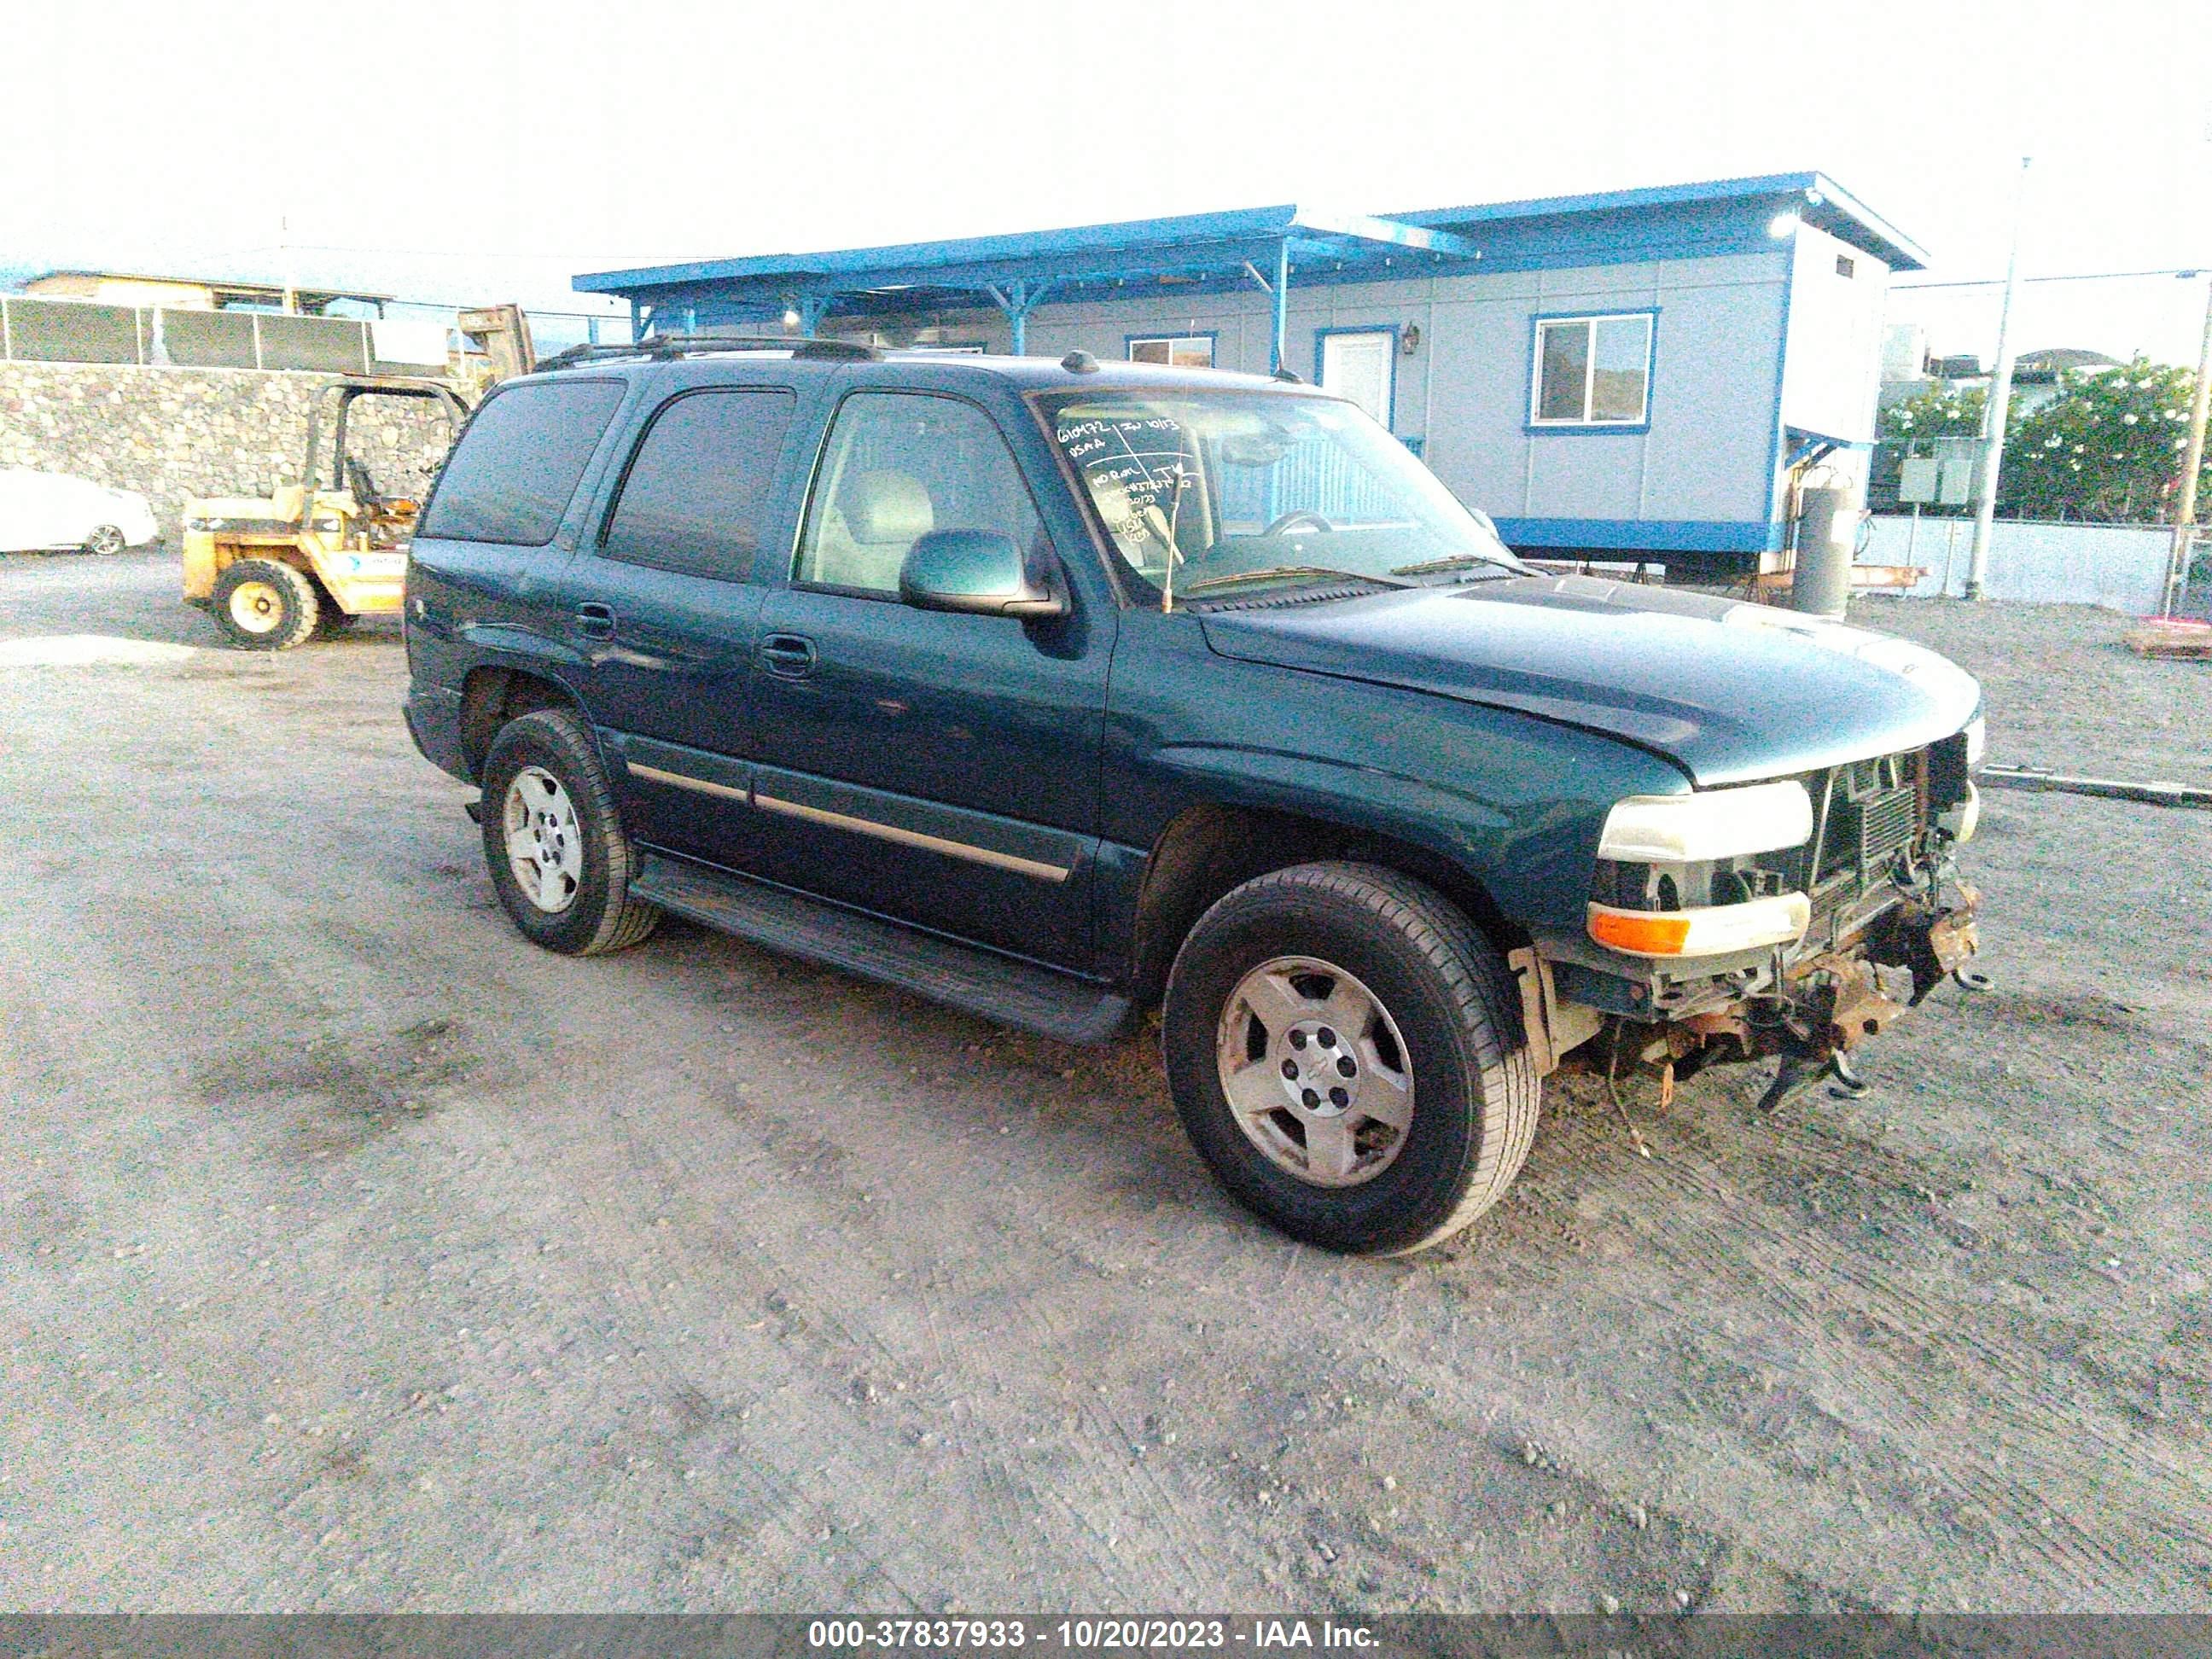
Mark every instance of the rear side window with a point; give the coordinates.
(518, 465)
(695, 493)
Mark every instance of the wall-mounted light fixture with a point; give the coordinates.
(1409, 339)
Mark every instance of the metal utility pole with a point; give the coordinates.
(2192, 462)
(1999, 407)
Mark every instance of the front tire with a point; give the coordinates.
(266, 604)
(1346, 1053)
(554, 841)
(108, 539)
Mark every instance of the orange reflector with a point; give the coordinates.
(1640, 935)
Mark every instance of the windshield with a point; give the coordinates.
(1214, 493)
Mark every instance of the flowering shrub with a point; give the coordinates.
(1913, 426)
(2109, 446)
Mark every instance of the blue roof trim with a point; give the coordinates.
(1639, 535)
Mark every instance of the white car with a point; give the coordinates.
(41, 511)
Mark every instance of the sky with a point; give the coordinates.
(475, 150)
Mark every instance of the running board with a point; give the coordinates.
(976, 982)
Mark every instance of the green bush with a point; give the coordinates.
(2109, 448)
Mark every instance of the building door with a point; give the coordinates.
(1358, 364)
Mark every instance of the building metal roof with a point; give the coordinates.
(1264, 248)
(1813, 197)
(1231, 249)
(226, 291)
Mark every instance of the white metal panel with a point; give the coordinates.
(1478, 402)
(1712, 399)
(1833, 366)
(2120, 567)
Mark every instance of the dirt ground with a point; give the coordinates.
(355, 1255)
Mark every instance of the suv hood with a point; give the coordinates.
(1732, 693)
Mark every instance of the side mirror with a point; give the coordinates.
(979, 572)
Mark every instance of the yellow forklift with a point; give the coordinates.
(315, 554)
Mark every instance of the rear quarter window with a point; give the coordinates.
(517, 466)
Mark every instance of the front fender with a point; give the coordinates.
(1515, 802)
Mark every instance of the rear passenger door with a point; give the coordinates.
(663, 609)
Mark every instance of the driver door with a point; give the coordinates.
(941, 769)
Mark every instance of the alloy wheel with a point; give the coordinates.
(544, 848)
(1315, 1072)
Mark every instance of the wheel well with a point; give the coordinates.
(1210, 849)
(490, 697)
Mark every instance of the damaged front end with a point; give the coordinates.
(1791, 920)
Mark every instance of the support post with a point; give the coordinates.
(1282, 297)
(1995, 412)
(1017, 300)
(2192, 463)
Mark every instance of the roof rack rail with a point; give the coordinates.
(665, 347)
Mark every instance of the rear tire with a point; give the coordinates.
(264, 604)
(1346, 1053)
(106, 539)
(554, 841)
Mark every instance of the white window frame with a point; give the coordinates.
(1590, 321)
(1172, 340)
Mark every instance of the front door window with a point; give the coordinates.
(901, 465)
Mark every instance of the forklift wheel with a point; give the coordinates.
(265, 606)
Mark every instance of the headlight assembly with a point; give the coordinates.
(1709, 824)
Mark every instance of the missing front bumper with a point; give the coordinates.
(1815, 1011)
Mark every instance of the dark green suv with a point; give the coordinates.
(1055, 690)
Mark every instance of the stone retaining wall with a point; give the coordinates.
(172, 433)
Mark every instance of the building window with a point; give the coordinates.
(1592, 371)
(1359, 364)
(1176, 351)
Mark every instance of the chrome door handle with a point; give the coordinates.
(596, 622)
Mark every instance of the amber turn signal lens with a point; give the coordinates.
(1640, 935)
(1714, 930)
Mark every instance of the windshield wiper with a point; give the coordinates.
(1277, 572)
(1460, 562)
